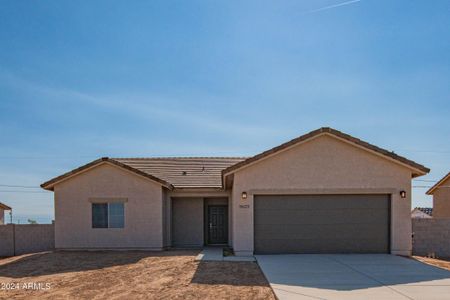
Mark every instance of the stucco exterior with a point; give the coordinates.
(441, 200)
(2, 216)
(323, 165)
(160, 215)
(187, 222)
(143, 210)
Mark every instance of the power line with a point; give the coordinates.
(20, 186)
(425, 180)
(429, 186)
(424, 151)
(47, 157)
(36, 192)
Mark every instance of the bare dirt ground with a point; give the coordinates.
(443, 263)
(129, 275)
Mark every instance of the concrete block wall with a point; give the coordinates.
(431, 237)
(6, 240)
(26, 238)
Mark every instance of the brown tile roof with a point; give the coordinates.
(438, 184)
(206, 172)
(185, 172)
(171, 172)
(422, 169)
(4, 206)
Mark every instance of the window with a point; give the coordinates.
(108, 215)
(116, 215)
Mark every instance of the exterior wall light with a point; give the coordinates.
(244, 195)
(403, 194)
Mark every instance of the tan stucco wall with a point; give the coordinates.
(143, 210)
(441, 201)
(187, 222)
(2, 216)
(319, 166)
(167, 219)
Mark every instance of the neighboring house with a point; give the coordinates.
(323, 192)
(422, 213)
(441, 197)
(3, 207)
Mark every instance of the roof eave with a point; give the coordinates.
(418, 169)
(49, 185)
(438, 184)
(5, 207)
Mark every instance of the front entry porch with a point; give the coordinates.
(196, 222)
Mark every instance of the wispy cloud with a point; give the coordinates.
(144, 107)
(332, 6)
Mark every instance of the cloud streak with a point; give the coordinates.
(332, 6)
(145, 107)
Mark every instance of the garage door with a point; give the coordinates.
(322, 224)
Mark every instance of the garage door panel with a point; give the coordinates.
(357, 216)
(321, 224)
(344, 231)
(319, 246)
(314, 202)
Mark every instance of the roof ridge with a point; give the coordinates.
(336, 133)
(182, 157)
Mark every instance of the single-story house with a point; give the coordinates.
(323, 192)
(3, 207)
(441, 197)
(422, 213)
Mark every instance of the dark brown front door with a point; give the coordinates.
(217, 224)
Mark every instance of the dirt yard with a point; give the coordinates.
(129, 275)
(441, 263)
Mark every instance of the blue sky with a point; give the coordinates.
(85, 79)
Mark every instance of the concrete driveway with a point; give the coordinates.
(353, 276)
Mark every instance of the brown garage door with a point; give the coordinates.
(322, 224)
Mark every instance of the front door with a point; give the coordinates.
(217, 224)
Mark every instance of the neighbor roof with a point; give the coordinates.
(425, 210)
(171, 172)
(4, 206)
(420, 169)
(438, 184)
